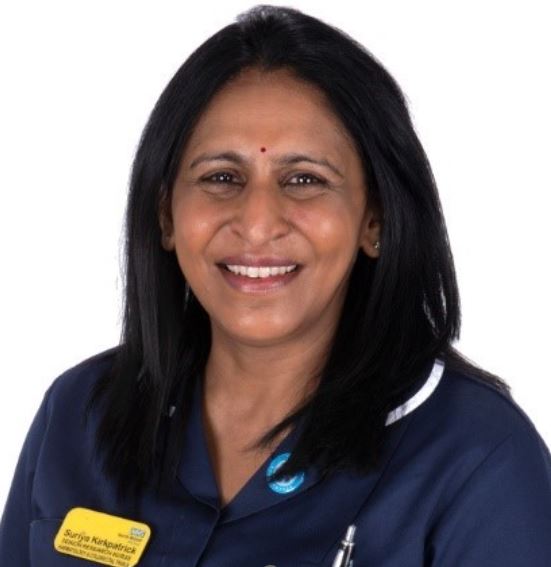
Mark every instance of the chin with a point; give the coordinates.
(257, 333)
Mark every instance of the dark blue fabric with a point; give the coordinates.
(465, 481)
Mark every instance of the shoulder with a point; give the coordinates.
(469, 433)
(465, 411)
(476, 412)
(71, 390)
(466, 425)
(490, 468)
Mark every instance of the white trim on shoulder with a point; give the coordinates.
(422, 395)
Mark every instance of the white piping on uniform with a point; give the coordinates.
(422, 395)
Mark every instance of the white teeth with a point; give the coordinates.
(261, 272)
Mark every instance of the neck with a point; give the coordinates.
(262, 384)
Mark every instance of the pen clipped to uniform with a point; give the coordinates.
(344, 554)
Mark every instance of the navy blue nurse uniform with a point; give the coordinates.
(465, 481)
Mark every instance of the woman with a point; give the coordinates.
(286, 374)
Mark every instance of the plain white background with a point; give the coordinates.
(80, 78)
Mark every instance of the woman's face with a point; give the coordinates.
(269, 179)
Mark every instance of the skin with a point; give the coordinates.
(266, 347)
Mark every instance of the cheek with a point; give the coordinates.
(192, 224)
(332, 231)
(193, 230)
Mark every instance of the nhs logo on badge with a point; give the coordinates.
(137, 532)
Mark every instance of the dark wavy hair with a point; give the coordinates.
(401, 310)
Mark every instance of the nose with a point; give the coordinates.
(261, 213)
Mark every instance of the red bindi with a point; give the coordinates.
(262, 149)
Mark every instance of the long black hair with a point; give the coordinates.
(401, 310)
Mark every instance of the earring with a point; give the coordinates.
(377, 245)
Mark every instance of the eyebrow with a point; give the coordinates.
(287, 159)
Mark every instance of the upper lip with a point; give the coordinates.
(257, 261)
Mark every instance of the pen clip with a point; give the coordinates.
(344, 553)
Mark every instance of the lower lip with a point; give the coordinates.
(256, 285)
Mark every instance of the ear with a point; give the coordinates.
(370, 241)
(165, 221)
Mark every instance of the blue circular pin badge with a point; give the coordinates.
(286, 484)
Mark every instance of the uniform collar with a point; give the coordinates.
(196, 472)
(422, 391)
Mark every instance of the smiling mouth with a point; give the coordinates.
(258, 279)
(259, 272)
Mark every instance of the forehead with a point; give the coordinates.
(270, 107)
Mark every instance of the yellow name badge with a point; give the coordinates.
(102, 538)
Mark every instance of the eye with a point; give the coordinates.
(308, 179)
(221, 184)
(225, 183)
(219, 178)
